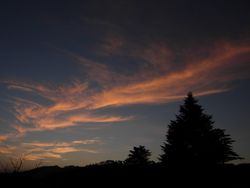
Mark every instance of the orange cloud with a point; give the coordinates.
(3, 137)
(98, 119)
(46, 144)
(207, 75)
(7, 149)
(42, 150)
(160, 82)
(64, 150)
(91, 141)
(60, 114)
(61, 144)
(49, 151)
(90, 151)
(39, 156)
(52, 122)
(161, 79)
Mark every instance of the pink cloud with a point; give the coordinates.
(64, 150)
(3, 137)
(7, 149)
(46, 144)
(36, 150)
(60, 114)
(90, 141)
(39, 156)
(160, 82)
(203, 75)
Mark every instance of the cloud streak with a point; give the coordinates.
(35, 150)
(70, 107)
(4, 137)
(7, 149)
(202, 74)
(43, 150)
(159, 79)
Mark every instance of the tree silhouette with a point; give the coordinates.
(192, 140)
(138, 156)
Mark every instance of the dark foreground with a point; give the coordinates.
(132, 176)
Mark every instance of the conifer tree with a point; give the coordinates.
(192, 139)
(138, 156)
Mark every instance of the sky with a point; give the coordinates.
(86, 81)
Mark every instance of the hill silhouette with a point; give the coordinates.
(114, 175)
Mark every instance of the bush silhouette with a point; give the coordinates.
(192, 140)
(138, 156)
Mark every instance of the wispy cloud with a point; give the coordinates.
(52, 122)
(206, 74)
(40, 156)
(7, 149)
(64, 150)
(159, 79)
(42, 150)
(70, 107)
(7, 136)
(46, 144)
(3, 137)
(90, 141)
(63, 144)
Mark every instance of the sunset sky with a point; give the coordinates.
(85, 81)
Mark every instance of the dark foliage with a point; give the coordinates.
(192, 139)
(138, 156)
(154, 175)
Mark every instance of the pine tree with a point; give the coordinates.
(192, 139)
(138, 156)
